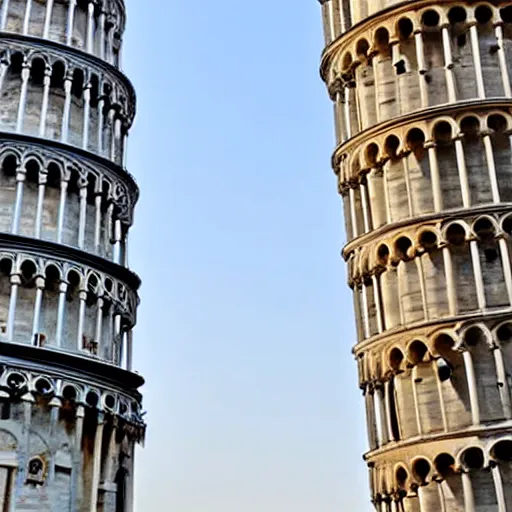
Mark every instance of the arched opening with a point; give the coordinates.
(502, 153)
(11, 91)
(34, 99)
(452, 493)
(395, 180)
(489, 399)
(406, 68)
(418, 168)
(463, 271)
(482, 482)
(385, 77)
(454, 389)
(389, 289)
(56, 101)
(434, 74)
(409, 280)
(464, 71)
(447, 164)
(476, 163)
(502, 453)
(432, 265)
(491, 263)
(488, 46)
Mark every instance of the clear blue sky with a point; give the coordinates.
(245, 326)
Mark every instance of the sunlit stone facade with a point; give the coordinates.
(422, 98)
(70, 409)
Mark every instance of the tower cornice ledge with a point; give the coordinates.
(436, 217)
(417, 115)
(70, 363)
(72, 152)
(18, 243)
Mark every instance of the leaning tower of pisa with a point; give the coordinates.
(422, 94)
(70, 409)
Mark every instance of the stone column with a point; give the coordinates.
(25, 75)
(101, 30)
(450, 281)
(498, 486)
(101, 104)
(76, 474)
(68, 81)
(43, 177)
(3, 14)
(87, 115)
(491, 166)
(473, 393)
(70, 22)
(477, 62)
(82, 297)
(20, 180)
(4, 66)
(422, 68)
(129, 350)
(63, 288)
(48, 19)
(62, 209)
(463, 172)
(15, 283)
(434, 172)
(381, 400)
(83, 214)
(99, 324)
(96, 469)
(467, 487)
(117, 241)
(26, 19)
(97, 223)
(448, 63)
(477, 270)
(40, 284)
(90, 28)
(46, 97)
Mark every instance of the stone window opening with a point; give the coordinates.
(36, 471)
(421, 471)
(430, 19)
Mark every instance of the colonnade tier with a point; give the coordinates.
(452, 378)
(416, 57)
(49, 193)
(47, 300)
(466, 473)
(92, 26)
(70, 98)
(425, 165)
(446, 268)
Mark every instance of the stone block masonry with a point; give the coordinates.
(422, 98)
(70, 409)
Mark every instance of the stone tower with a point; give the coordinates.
(422, 97)
(70, 412)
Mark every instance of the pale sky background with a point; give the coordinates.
(245, 326)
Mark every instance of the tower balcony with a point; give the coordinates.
(56, 94)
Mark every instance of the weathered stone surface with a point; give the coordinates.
(422, 97)
(70, 412)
